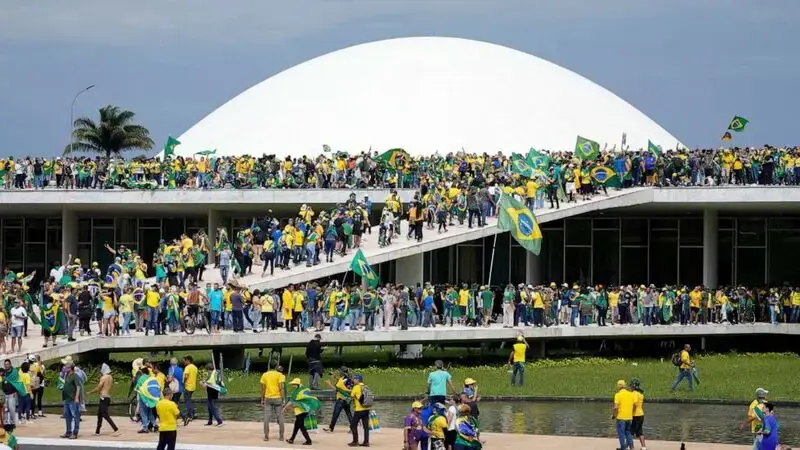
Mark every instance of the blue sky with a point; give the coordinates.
(689, 65)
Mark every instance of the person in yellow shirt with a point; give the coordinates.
(189, 384)
(273, 389)
(622, 413)
(152, 299)
(361, 412)
(126, 310)
(755, 414)
(437, 426)
(637, 424)
(25, 404)
(695, 297)
(685, 368)
(343, 388)
(613, 303)
(168, 414)
(287, 305)
(517, 360)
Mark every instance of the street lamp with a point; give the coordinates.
(72, 117)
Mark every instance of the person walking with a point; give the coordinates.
(622, 413)
(104, 389)
(755, 416)
(212, 395)
(304, 405)
(769, 431)
(343, 387)
(168, 414)
(71, 396)
(637, 423)
(189, 384)
(273, 398)
(362, 402)
(685, 364)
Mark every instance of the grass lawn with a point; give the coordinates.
(723, 376)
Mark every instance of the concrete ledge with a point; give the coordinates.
(47, 444)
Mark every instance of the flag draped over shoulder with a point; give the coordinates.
(520, 222)
(361, 267)
(654, 149)
(586, 148)
(302, 398)
(738, 123)
(606, 176)
(149, 391)
(169, 147)
(393, 157)
(519, 166)
(12, 377)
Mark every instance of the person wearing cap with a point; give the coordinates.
(637, 423)
(517, 360)
(685, 368)
(412, 427)
(304, 404)
(622, 413)
(437, 426)
(343, 387)
(361, 413)
(755, 416)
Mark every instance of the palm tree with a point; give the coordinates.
(115, 133)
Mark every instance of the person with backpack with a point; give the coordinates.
(684, 363)
(362, 402)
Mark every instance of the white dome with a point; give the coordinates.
(422, 94)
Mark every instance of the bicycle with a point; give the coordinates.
(748, 313)
(192, 322)
(133, 409)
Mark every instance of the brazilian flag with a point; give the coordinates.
(301, 397)
(654, 149)
(149, 391)
(392, 158)
(586, 149)
(537, 159)
(738, 123)
(12, 377)
(169, 147)
(606, 176)
(362, 268)
(514, 217)
(520, 166)
(51, 318)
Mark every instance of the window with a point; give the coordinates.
(634, 232)
(634, 265)
(725, 258)
(519, 266)
(666, 224)
(606, 223)
(500, 273)
(750, 233)
(84, 230)
(126, 229)
(691, 232)
(691, 270)
(784, 246)
(470, 264)
(35, 230)
(663, 257)
(605, 258)
(750, 266)
(579, 231)
(440, 260)
(578, 265)
(551, 259)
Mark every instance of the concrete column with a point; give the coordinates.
(69, 234)
(533, 272)
(233, 358)
(409, 270)
(213, 223)
(710, 247)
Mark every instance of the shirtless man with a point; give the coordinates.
(104, 388)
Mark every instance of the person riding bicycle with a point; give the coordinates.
(193, 302)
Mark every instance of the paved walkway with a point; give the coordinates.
(250, 434)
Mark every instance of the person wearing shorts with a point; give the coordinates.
(637, 424)
(18, 317)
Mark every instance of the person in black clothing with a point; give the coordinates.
(314, 356)
(84, 312)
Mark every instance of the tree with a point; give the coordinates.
(114, 134)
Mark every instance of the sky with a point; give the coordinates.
(691, 66)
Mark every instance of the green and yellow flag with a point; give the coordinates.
(361, 267)
(537, 159)
(520, 166)
(606, 176)
(169, 147)
(738, 123)
(393, 157)
(302, 398)
(654, 149)
(520, 222)
(207, 152)
(586, 149)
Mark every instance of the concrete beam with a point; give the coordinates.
(69, 234)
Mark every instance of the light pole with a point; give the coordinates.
(72, 116)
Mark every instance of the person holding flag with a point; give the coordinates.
(305, 406)
(148, 391)
(361, 267)
(214, 387)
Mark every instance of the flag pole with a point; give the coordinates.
(494, 246)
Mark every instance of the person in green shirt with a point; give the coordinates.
(601, 305)
(508, 306)
(71, 395)
(356, 304)
(487, 304)
(372, 303)
(450, 302)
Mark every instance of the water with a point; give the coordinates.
(670, 422)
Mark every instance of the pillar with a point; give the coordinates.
(537, 349)
(233, 358)
(409, 270)
(710, 247)
(69, 234)
(533, 272)
(213, 223)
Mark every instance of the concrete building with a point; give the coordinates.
(713, 235)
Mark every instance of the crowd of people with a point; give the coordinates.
(763, 165)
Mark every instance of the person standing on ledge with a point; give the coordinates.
(517, 360)
(314, 355)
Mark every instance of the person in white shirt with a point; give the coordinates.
(57, 272)
(18, 316)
